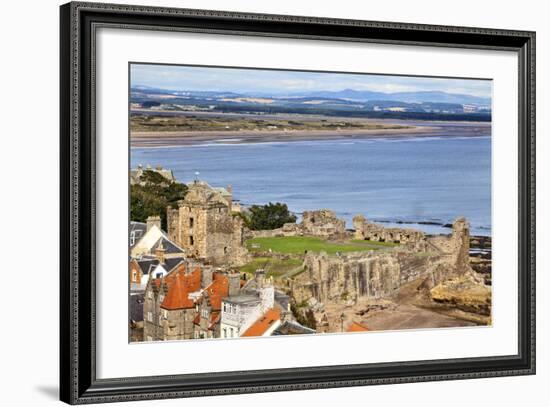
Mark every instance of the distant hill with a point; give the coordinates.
(408, 97)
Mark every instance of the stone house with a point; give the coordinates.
(135, 174)
(204, 226)
(239, 312)
(169, 308)
(208, 317)
(153, 255)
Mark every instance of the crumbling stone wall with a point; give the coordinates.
(381, 273)
(322, 223)
(319, 223)
(365, 230)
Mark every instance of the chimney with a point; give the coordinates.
(259, 276)
(234, 283)
(206, 276)
(153, 221)
(159, 252)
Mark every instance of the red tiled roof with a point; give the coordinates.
(217, 290)
(259, 327)
(179, 286)
(357, 327)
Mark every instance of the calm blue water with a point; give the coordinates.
(414, 179)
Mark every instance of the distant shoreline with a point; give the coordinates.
(182, 138)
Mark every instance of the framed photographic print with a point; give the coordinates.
(256, 203)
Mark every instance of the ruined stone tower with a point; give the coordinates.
(204, 226)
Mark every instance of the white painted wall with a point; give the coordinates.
(29, 35)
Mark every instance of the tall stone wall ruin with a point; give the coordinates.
(381, 273)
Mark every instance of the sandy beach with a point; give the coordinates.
(182, 138)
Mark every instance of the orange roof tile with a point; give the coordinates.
(179, 286)
(259, 327)
(217, 290)
(357, 327)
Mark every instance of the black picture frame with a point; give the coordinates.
(78, 382)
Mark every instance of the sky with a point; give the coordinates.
(280, 82)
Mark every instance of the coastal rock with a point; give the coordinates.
(464, 293)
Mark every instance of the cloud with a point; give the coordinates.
(279, 81)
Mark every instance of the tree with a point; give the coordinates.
(270, 216)
(153, 195)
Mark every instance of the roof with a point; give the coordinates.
(357, 327)
(214, 319)
(292, 328)
(217, 290)
(149, 263)
(202, 192)
(180, 285)
(242, 299)
(147, 241)
(168, 246)
(138, 229)
(259, 327)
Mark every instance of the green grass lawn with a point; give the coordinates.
(273, 266)
(299, 244)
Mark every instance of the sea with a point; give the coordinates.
(419, 182)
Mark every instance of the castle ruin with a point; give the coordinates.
(365, 230)
(379, 274)
(204, 225)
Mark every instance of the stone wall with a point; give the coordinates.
(378, 274)
(365, 230)
(204, 226)
(321, 223)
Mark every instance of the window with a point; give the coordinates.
(231, 332)
(191, 222)
(224, 307)
(224, 333)
(132, 238)
(161, 298)
(134, 276)
(149, 294)
(191, 240)
(150, 316)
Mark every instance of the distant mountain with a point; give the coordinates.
(408, 97)
(341, 96)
